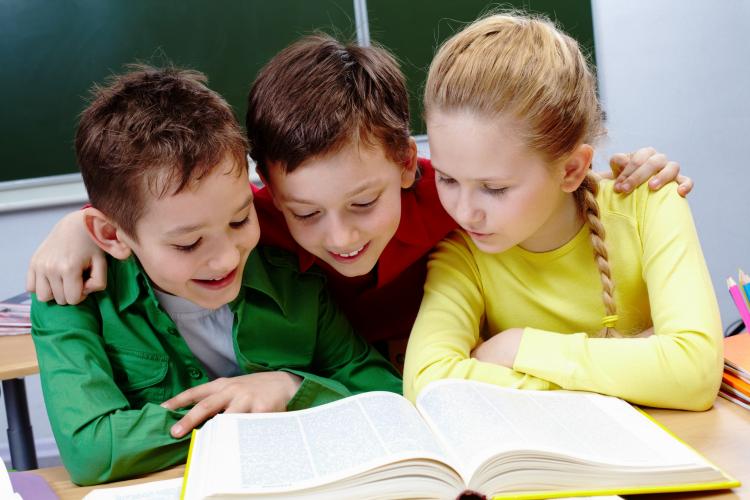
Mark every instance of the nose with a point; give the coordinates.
(341, 234)
(226, 256)
(468, 214)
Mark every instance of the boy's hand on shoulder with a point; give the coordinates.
(56, 270)
(633, 169)
(254, 393)
(501, 349)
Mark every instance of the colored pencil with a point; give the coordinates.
(745, 285)
(739, 302)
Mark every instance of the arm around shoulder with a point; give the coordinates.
(57, 268)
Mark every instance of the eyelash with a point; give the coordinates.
(366, 205)
(359, 206)
(491, 191)
(494, 191)
(189, 248)
(239, 224)
(304, 217)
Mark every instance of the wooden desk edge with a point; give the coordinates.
(17, 356)
(60, 482)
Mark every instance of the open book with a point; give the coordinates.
(462, 436)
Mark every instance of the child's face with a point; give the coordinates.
(496, 188)
(343, 207)
(194, 244)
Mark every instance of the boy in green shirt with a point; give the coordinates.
(195, 319)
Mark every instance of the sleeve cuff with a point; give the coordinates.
(314, 391)
(304, 396)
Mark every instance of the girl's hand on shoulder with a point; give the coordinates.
(633, 169)
(501, 349)
(57, 268)
(254, 393)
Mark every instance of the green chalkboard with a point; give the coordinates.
(414, 29)
(51, 51)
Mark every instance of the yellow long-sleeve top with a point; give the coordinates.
(661, 280)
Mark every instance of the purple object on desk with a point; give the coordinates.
(31, 486)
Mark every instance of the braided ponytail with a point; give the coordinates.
(585, 197)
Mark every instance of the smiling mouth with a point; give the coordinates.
(349, 256)
(217, 283)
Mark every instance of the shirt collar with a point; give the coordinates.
(132, 282)
(255, 276)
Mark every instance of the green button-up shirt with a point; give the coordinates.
(108, 363)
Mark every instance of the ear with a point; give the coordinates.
(409, 172)
(576, 167)
(105, 234)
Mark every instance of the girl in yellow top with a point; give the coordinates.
(530, 293)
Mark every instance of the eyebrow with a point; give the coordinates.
(354, 192)
(194, 227)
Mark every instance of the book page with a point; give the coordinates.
(476, 421)
(15, 314)
(279, 451)
(168, 489)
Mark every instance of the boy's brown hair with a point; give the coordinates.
(318, 95)
(154, 130)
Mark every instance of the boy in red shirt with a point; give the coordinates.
(328, 126)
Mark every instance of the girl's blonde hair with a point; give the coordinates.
(525, 68)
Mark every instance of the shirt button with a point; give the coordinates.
(172, 331)
(194, 372)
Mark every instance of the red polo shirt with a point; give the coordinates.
(383, 305)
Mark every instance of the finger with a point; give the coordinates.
(191, 396)
(201, 412)
(31, 280)
(635, 160)
(644, 172)
(685, 185)
(186, 398)
(247, 404)
(43, 290)
(641, 156)
(97, 279)
(73, 288)
(618, 162)
(58, 290)
(664, 176)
